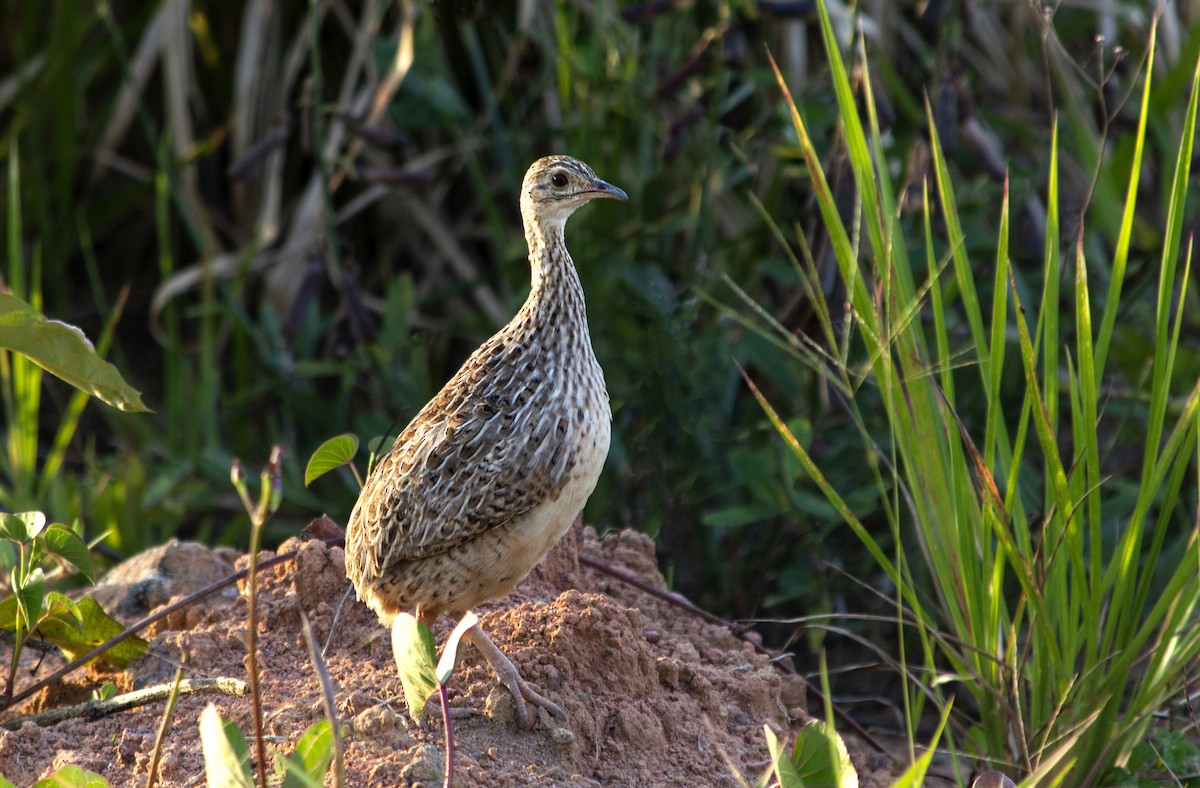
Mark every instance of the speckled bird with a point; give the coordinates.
(494, 469)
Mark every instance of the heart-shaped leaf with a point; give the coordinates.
(61, 541)
(93, 628)
(308, 764)
(22, 527)
(819, 757)
(30, 590)
(333, 453)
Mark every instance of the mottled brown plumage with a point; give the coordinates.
(493, 470)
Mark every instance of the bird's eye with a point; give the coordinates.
(559, 179)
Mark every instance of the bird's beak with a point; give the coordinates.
(605, 189)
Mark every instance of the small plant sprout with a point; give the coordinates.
(226, 756)
(270, 495)
(75, 627)
(423, 674)
(818, 757)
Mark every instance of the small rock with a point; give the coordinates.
(425, 767)
(668, 672)
(499, 707)
(151, 578)
(382, 724)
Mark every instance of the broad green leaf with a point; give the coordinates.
(819, 757)
(315, 747)
(291, 774)
(8, 615)
(62, 606)
(5, 783)
(333, 453)
(314, 752)
(94, 627)
(63, 350)
(71, 776)
(107, 690)
(415, 653)
(31, 591)
(63, 542)
(449, 657)
(22, 527)
(781, 764)
(225, 753)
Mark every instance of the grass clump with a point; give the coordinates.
(1060, 598)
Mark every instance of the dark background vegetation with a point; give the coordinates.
(292, 246)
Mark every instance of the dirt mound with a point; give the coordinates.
(653, 695)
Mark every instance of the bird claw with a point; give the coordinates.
(506, 672)
(523, 695)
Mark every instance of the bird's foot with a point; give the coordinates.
(507, 673)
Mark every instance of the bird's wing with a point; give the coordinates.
(464, 465)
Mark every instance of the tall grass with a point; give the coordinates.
(1060, 599)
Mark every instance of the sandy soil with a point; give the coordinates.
(653, 695)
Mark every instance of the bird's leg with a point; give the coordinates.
(507, 673)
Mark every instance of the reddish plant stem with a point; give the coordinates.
(448, 776)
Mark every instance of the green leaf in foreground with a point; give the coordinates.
(71, 776)
(333, 453)
(416, 654)
(225, 753)
(819, 757)
(59, 605)
(30, 592)
(95, 627)
(781, 764)
(64, 543)
(63, 351)
(311, 759)
(21, 527)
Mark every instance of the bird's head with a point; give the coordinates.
(556, 185)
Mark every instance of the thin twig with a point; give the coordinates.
(97, 709)
(327, 696)
(337, 615)
(163, 727)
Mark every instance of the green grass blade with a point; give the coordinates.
(1125, 234)
(1125, 561)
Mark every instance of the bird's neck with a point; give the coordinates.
(556, 295)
